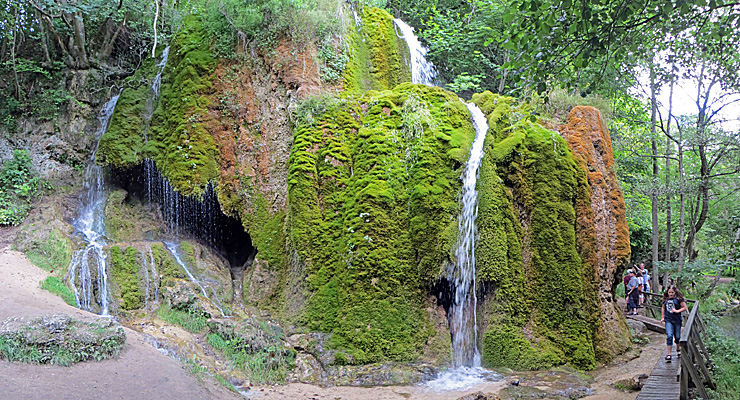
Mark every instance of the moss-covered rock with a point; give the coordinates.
(58, 339)
(543, 291)
(125, 271)
(372, 202)
(378, 58)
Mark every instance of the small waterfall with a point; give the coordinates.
(463, 318)
(91, 225)
(175, 250)
(150, 102)
(422, 71)
(155, 276)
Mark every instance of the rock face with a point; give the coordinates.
(351, 204)
(605, 226)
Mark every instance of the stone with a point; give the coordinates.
(479, 396)
(631, 384)
(636, 327)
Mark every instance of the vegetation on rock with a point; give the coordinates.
(58, 339)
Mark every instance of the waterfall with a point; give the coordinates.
(90, 224)
(461, 275)
(149, 111)
(463, 318)
(175, 250)
(422, 71)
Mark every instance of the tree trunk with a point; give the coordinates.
(682, 205)
(44, 44)
(668, 154)
(653, 191)
(727, 260)
(12, 53)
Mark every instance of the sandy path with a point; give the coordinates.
(139, 372)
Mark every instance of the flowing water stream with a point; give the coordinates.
(175, 250)
(462, 316)
(90, 224)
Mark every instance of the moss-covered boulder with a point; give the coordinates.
(372, 213)
(378, 58)
(58, 339)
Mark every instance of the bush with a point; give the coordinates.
(724, 352)
(18, 187)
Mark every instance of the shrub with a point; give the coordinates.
(18, 186)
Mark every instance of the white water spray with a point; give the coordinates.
(91, 225)
(422, 71)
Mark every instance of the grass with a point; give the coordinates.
(191, 320)
(56, 286)
(270, 364)
(53, 253)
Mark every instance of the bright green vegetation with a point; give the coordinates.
(258, 351)
(167, 267)
(18, 187)
(122, 145)
(56, 286)
(119, 224)
(70, 341)
(372, 207)
(545, 311)
(125, 270)
(191, 319)
(54, 253)
(376, 55)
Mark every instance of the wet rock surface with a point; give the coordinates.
(59, 339)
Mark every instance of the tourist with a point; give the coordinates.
(670, 314)
(633, 293)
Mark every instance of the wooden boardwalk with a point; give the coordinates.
(663, 382)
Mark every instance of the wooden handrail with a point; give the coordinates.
(695, 362)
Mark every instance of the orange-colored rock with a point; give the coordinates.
(603, 232)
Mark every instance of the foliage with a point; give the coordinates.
(59, 288)
(18, 187)
(71, 342)
(458, 36)
(270, 363)
(243, 24)
(191, 319)
(724, 352)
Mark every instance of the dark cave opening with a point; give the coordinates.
(190, 217)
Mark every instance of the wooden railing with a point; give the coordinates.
(695, 362)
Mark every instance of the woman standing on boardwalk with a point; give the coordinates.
(670, 313)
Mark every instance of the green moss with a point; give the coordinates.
(179, 142)
(119, 224)
(167, 267)
(372, 198)
(53, 253)
(56, 286)
(506, 346)
(528, 252)
(125, 271)
(377, 59)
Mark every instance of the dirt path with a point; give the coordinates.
(139, 372)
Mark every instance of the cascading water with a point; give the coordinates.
(175, 250)
(422, 71)
(462, 313)
(91, 225)
(463, 319)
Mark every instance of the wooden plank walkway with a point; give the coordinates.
(663, 381)
(652, 324)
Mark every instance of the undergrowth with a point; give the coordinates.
(270, 364)
(192, 320)
(18, 187)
